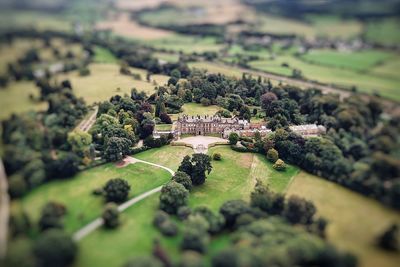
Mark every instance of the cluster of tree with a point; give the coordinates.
(196, 166)
(37, 145)
(53, 247)
(269, 230)
(120, 123)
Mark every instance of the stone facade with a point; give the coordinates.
(203, 125)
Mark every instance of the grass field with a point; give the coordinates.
(193, 109)
(355, 220)
(163, 127)
(358, 61)
(104, 81)
(213, 68)
(76, 193)
(233, 177)
(103, 55)
(384, 32)
(167, 57)
(33, 19)
(15, 99)
(185, 43)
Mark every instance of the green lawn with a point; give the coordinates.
(354, 220)
(76, 193)
(103, 55)
(167, 57)
(194, 109)
(233, 177)
(163, 127)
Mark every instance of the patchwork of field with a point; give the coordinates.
(356, 69)
(354, 220)
(105, 81)
(231, 178)
(384, 32)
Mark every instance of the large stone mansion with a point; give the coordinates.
(207, 125)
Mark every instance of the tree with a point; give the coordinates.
(233, 209)
(165, 118)
(51, 216)
(299, 210)
(201, 164)
(186, 165)
(233, 138)
(116, 190)
(117, 148)
(20, 254)
(272, 155)
(266, 200)
(54, 248)
(79, 141)
(17, 186)
(195, 236)
(173, 195)
(267, 99)
(110, 216)
(389, 240)
(279, 165)
(160, 107)
(183, 179)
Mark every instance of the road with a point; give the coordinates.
(87, 123)
(81, 233)
(4, 211)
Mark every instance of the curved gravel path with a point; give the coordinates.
(87, 229)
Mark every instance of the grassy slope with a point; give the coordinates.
(76, 193)
(231, 178)
(103, 55)
(355, 220)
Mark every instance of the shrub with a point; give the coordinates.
(51, 216)
(55, 248)
(84, 71)
(233, 209)
(165, 118)
(183, 179)
(279, 165)
(17, 186)
(299, 210)
(272, 155)
(173, 196)
(160, 217)
(389, 240)
(217, 156)
(205, 101)
(168, 228)
(116, 190)
(111, 216)
(233, 138)
(184, 212)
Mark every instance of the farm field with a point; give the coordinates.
(345, 210)
(105, 80)
(228, 180)
(103, 55)
(15, 99)
(185, 44)
(76, 193)
(383, 32)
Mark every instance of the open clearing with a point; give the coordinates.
(355, 220)
(233, 177)
(105, 81)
